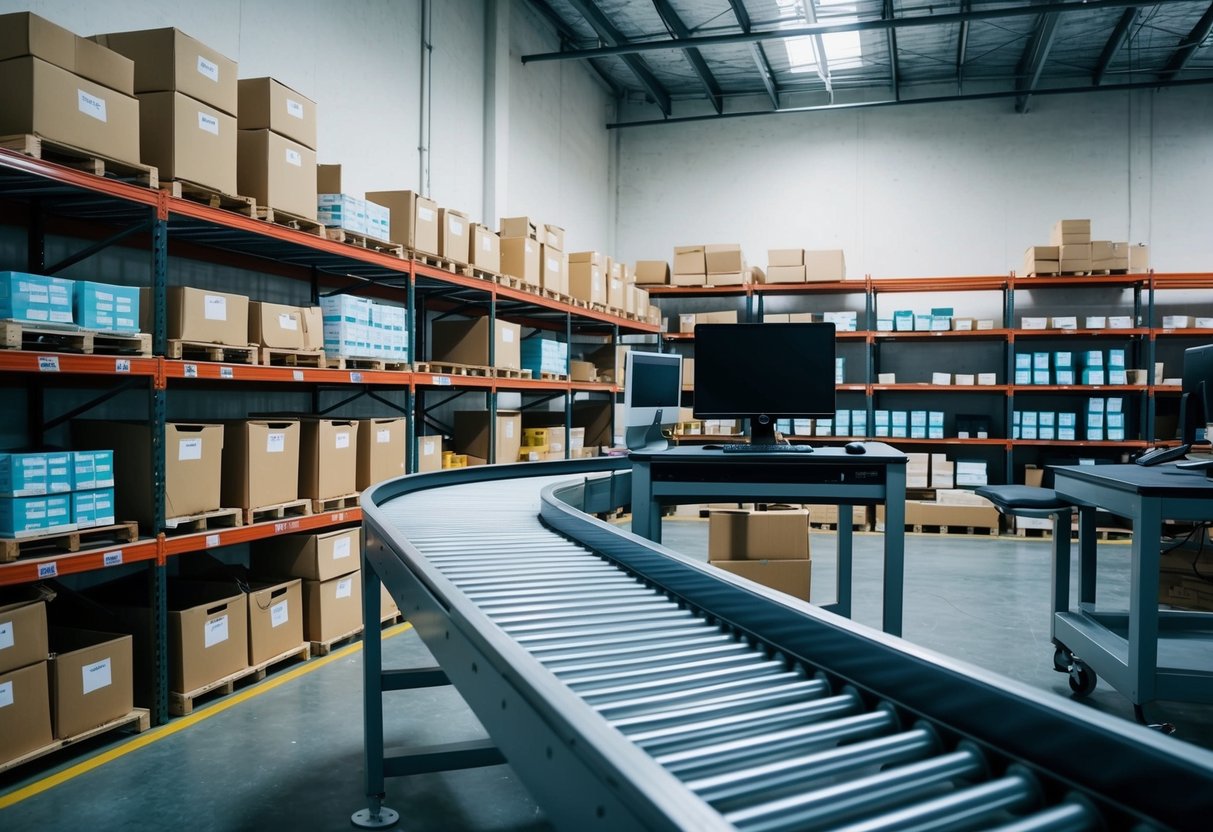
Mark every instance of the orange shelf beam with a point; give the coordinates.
(946, 388)
(1071, 333)
(1078, 388)
(29, 570)
(948, 333)
(29, 361)
(199, 541)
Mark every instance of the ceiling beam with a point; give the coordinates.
(760, 57)
(894, 70)
(568, 37)
(962, 46)
(694, 56)
(819, 48)
(1032, 64)
(1115, 41)
(871, 25)
(614, 38)
(1188, 46)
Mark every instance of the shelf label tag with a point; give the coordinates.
(297, 375)
(338, 517)
(212, 540)
(355, 377)
(48, 570)
(112, 558)
(278, 615)
(208, 68)
(288, 526)
(96, 676)
(122, 365)
(446, 380)
(215, 631)
(226, 372)
(91, 105)
(48, 363)
(191, 371)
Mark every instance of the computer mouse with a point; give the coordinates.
(856, 448)
(713, 447)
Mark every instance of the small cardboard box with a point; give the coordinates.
(25, 718)
(792, 577)
(187, 139)
(785, 257)
(382, 454)
(472, 434)
(586, 282)
(414, 219)
(825, 266)
(316, 557)
(328, 458)
(25, 33)
(277, 172)
(23, 638)
(92, 679)
(746, 535)
(208, 633)
(651, 272)
(266, 104)
(170, 60)
(586, 371)
(553, 236)
(554, 271)
(785, 274)
(429, 454)
(260, 462)
(201, 315)
(520, 259)
(484, 251)
(519, 227)
(454, 234)
(332, 608)
(1070, 232)
(467, 342)
(690, 260)
(723, 258)
(275, 325)
(275, 619)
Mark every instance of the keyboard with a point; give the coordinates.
(767, 449)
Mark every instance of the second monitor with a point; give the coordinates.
(764, 372)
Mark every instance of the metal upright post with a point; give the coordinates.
(376, 815)
(1008, 351)
(492, 392)
(158, 403)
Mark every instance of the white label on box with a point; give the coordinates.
(6, 694)
(91, 105)
(48, 364)
(48, 570)
(275, 442)
(425, 214)
(287, 321)
(427, 448)
(383, 437)
(454, 226)
(509, 430)
(96, 676)
(214, 308)
(342, 439)
(122, 365)
(113, 558)
(553, 264)
(293, 157)
(215, 631)
(486, 243)
(37, 315)
(278, 614)
(188, 449)
(212, 540)
(208, 123)
(6, 634)
(507, 336)
(345, 587)
(208, 68)
(341, 548)
(294, 109)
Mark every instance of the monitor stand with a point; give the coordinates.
(762, 430)
(648, 438)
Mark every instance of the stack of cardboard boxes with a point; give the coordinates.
(472, 430)
(1072, 251)
(951, 507)
(534, 253)
(796, 265)
(769, 547)
(484, 249)
(276, 151)
(413, 219)
(589, 276)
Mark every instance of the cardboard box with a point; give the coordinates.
(729, 279)
(92, 680)
(316, 557)
(25, 718)
(313, 327)
(275, 325)
(467, 342)
(414, 219)
(1070, 232)
(472, 434)
(332, 608)
(275, 619)
(586, 371)
(825, 266)
(555, 275)
(920, 513)
(747, 535)
(170, 60)
(1139, 259)
(277, 172)
(382, 454)
(25, 33)
(429, 454)
(553, 236)
(519, 227)
(266, 104)
(484, 249)
(454, 233)
(587, 282)
(690, 260)
(23, 638)
(792, 577)
(785, 257)
(103, 65)
(651, 272)
(723, 258)
(328, 458)
(260, 462)
(187, 139)
(201, 315)
(39, 97)
(785, 274)
(208, 633)
(520, 259)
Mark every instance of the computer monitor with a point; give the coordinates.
(764, 372)
(1196, 406)
(652, 395)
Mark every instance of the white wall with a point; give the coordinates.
(929, 190)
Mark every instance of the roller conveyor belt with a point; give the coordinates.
(633, 688)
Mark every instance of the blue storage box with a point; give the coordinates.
(35, 298)
(23, 475)
(106, 307)
(59, 472)
(25, 516)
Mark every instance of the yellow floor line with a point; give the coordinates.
(157, 734)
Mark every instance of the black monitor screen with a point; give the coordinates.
(1198, 391)
(656, 381)
(777, 370)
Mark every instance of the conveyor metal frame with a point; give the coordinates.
(586, 774)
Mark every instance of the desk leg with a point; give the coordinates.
(842, 591)
(646, 513)
(1087, 544)
(1061, 568)
(1143, 601)
(894, 547)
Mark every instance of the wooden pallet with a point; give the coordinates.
(204, 351)
(286, 218)
(277, 357)
(483, 274)
(223, 518)
(121, 343)
(183, 189)
(446, 368)
(74, 157)
(968, 530)
(553, 376)
(340, 235)
(281, 511)
(342, 362)
(833, 527)
(1105, 535)
(22, 335)
(323, 648)
(183, 704)
(12, 548)
(319, 506)
(136, 722)
(508, 372)
(517, 283)
(452, 266)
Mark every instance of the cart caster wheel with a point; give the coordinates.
(1082, 679)
(1062, 660)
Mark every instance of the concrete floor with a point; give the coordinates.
(288, 754)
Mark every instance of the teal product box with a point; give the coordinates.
(1114, 405)
(1063, 376)
(1095, 434)
(1118, 375)
(1094, 376)
(922, 323)
(823, 427)
(941, 323)
(23, 475)
(1096, 404)
(1116, 359)
(1114, 420)
(92, 469)
(342, 211)
(1047, 432)
(1028, 432)
(918, 431)
(22, 516)
(35, 298)
(943, 311)
(802, 427)
(903, 320)
(1046, 418)
(784, 426)
(840, 369)
(859, 423)
(106, 307)
(59, 474)
(842, 423)
(881, 418)
(1092, 358)
(1067, 420)
(899, 432)
(1029, 418)
(935, 419)
(1023, 361)
(884, 324)
(1040, 361)
(545, 355)
(898, 418)
(881, 431)
(1040, 376)
(378, 221)
(918, 418)
(1066, 434)
(1116, 434)
(935, 433)
(1023, 376)
(1063, 359)
(1017, 417)
(1095, 420)
(93, 508)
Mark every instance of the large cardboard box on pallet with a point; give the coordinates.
(472, 434)
(484, 249)
(758, 535)
(25, 718)
(275, 325)
(268, 104)
(414, 219)
(208, 633)
(467, 342)
(170, 60)
(275, 619)
(23, 638)
(25, 33)
(105, 66)
(187, 139)
(328, 458)
(260, 462)
(792, 577)
(193, 460)
(587, 279)
(332, 608)
(454, 234)
(651, 273)
(317, 557)
(382, 451)
(554, 270)
(92, 679)
(520, 258)
(200, 315)
(277, 172)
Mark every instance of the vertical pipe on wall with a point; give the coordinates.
(423, 142)
(496, 109)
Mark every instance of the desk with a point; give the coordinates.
(1146, 653)
(827, 475)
